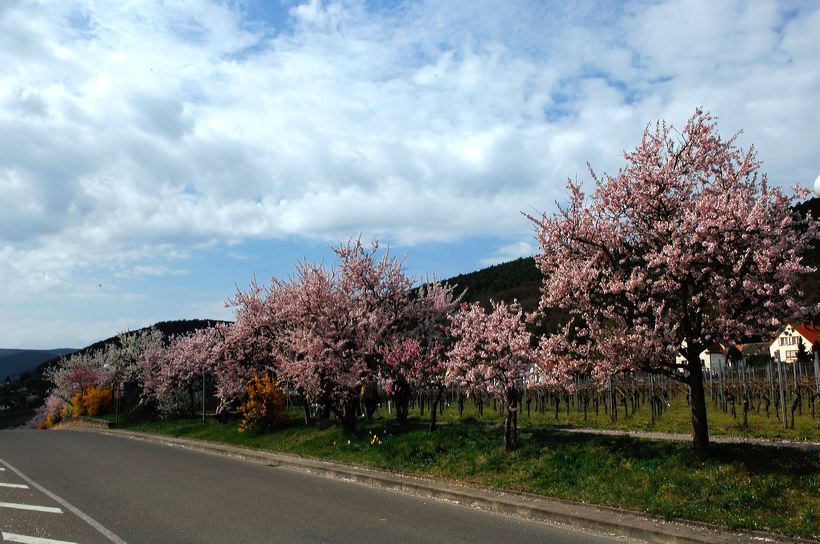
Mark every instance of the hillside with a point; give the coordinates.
(14, 362)
(514, 280)
(518, 279)
(21, 398)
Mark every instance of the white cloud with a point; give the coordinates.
(132, 132)
(157, 271)
(511, 252)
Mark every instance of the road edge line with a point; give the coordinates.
(100, 528)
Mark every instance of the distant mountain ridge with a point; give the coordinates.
(14, 362)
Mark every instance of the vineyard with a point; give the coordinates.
(743, 401)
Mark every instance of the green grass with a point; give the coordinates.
(740, 486)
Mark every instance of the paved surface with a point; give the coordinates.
(110, 488)
(680, 437)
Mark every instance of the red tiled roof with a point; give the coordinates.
(809, 331)
(754, 348)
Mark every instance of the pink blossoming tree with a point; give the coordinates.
(686, 246)
(169, 373)
(427, 334)
(338, 322)
(492, 352)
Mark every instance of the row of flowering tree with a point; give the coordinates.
(684, 247)
(86, 374)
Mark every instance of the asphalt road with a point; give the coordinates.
(112, 489)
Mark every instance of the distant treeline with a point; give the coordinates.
(168, 329)
(519, 279)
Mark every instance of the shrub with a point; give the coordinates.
(77, 404)
(265, 405)
(91, 400)
(98, 400)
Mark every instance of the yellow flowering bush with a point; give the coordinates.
(265, 405)
(98, 400)
(48, 422)
(91, 400)
(78, 404)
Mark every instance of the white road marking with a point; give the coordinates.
(68, 506)
(23, 539)
(15, 486)
(32, 507)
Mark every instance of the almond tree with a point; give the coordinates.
(252, 345)
(338, 322)
(686, 246)
(74, 373)
(417, 357)
(168, 372)
(397, 372)
(491, 352)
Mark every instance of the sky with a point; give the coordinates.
(157, 155)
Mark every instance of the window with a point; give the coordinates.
(791, 354)
(788, 340)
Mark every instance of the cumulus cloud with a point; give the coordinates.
(510, 252)
(132, 132)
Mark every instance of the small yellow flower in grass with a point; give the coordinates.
(348, 442)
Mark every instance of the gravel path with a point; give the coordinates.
(680, 437)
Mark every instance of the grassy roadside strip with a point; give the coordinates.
(741, 486)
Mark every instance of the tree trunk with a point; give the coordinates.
(510, 422)
(306, 404)
(402, 397)
(460, 404)
(191, 399)
(349, 413)
(434, 409)
(700, 427)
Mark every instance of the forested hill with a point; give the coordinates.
(519, 279)
(14, 362)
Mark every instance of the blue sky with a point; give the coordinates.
(156, 154)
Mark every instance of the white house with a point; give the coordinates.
(786, 342)
(714, 358)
